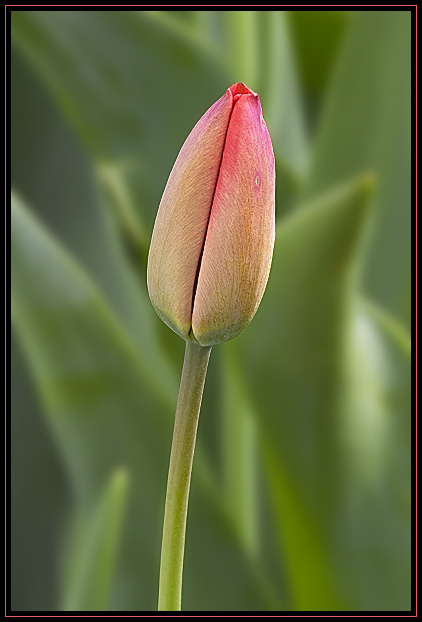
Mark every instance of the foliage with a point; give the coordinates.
(301, 486)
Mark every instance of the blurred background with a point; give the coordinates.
(300, 496)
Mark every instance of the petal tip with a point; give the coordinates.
(240, 89)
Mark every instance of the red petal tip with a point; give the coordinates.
(240, 89)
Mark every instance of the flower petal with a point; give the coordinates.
(182, 219)
(240, 236)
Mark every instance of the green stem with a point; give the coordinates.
(181, 459)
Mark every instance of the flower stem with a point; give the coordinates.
(178, 483)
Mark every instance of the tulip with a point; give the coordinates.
(213, 237)
(208, 266)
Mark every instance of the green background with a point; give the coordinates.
(300, 495)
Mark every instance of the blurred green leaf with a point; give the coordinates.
(366, 125)
(108, 409)
(278, 86)
(102, 410)
(239, 452)
(372, 542)
(131, 83)
(293, 374)
(301, 376)
(39, 495)
(93, 549)
(317, 36)
(50, 169)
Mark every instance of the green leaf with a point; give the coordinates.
(93, 550)
(60, 174)
(104, 408)
(239, 452)
(109, 409)
(317, 37)
(37, 481)
(366, 125)
(372, 546)
(365, 562)
(278, 86)
(132, 84)
(306, 306)
(292, 373)
(308, 388)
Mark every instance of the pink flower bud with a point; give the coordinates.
(213, 237)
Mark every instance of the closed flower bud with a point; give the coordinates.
(213, 237)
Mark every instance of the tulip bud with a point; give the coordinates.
(213, 237)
